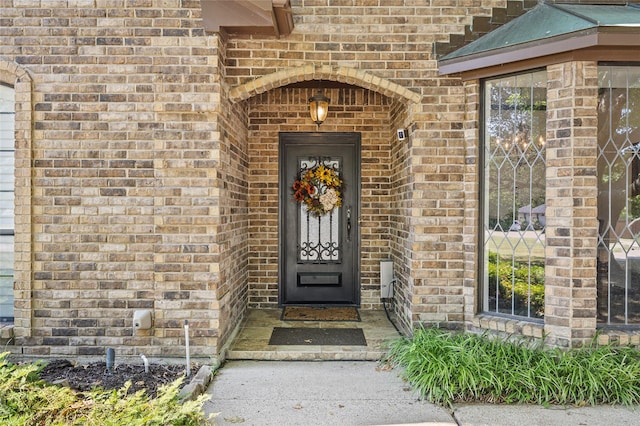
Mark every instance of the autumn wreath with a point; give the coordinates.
(319, 189)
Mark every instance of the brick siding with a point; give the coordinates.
(572, 228)
(359, 110)
(125, 202)
(149, 149)
(147, 167)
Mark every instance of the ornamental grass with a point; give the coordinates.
(449, 367)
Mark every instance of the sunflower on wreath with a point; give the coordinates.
(319, 189)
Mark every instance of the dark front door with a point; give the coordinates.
(319, 210)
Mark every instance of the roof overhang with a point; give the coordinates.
(263, 17)
(582, 38)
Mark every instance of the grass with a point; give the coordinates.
(448, 367)
(27, 400)
(522, 245)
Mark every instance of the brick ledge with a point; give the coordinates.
(618, 337)
(508, 326)
(6, 333)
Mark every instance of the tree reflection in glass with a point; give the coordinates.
(514, 194)
(618, 195)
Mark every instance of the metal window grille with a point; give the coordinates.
(513, 195)
(618, 282)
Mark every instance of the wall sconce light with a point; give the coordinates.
(318, 107)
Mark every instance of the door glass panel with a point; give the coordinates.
(318, 235)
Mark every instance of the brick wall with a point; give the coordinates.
(232, 177)
(286, 109)
(125, 200)
(471, 241)
(12, 74)
(393, 42)
(437, 215)
(155, 152)
(572, 228)
(401, 238)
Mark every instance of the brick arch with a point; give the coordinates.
(12, 71)
(15, 75)
(323, 72)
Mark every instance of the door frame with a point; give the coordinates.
(314, 139)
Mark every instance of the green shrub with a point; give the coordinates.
(27, 400)
(446, 367)
(521, 280)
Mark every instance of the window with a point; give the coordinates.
(513, 195)
(618, 195)
(7, 150)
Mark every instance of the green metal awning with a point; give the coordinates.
(548, 29)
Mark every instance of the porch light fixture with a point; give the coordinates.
(318, 107)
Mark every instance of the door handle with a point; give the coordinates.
(349, 223)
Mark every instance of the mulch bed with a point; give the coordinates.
(86, 377)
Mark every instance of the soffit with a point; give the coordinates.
(548, 29)
(263, 17)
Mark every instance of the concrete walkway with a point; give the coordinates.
(361, 393)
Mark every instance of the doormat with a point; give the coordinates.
(318, 336)
(310, 313)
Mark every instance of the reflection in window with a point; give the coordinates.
(7, 119)
(514, 206)
(619, 195)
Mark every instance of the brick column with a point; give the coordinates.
(572, 228)
(438, 207)
(471, 239)
(189, 201)
(15, 75)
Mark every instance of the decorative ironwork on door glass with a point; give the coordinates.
(318, 235)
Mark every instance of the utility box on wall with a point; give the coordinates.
(386, 279)
(142, 319)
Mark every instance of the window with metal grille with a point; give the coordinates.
(7, 150)
(618, 280)
(513, 195)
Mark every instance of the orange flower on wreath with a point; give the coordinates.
(319, 188)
